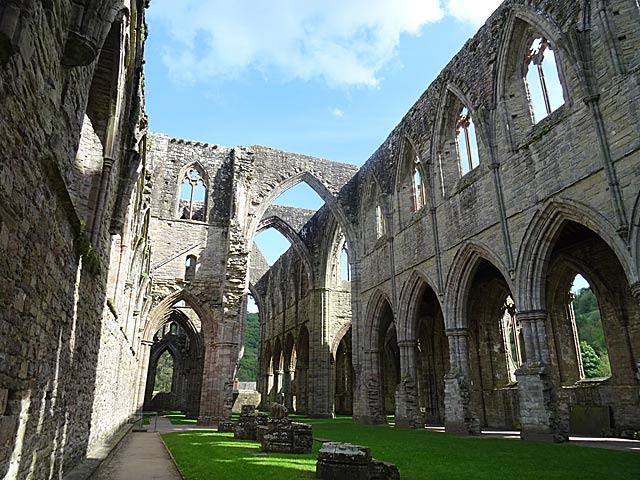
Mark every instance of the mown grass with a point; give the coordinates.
(419, 454)
(178, 418)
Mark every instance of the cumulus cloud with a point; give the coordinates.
(336, 112)
(342, 42)
(475, 12)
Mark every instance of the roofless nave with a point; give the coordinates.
(464, 233)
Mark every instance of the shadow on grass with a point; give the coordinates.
(419, 454)
(205, 455)
(178, 418)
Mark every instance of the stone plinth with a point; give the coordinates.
(245, 429)
(341, 461)
(281, 435)
(229, 427)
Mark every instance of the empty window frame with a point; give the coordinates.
(467, 142)
(345, 267)
(193, 193)
(542, 79)
(419, 196)
(190, 268)
(379, 222)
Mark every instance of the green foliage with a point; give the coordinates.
(164, 373)
(248, 370)
(418, 453)
(593, 347)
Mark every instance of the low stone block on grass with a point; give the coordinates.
(345, 461)
(284, 436)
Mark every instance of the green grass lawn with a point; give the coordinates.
(178, 418)
(417, 453)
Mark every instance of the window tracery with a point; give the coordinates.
(467, 143)
(543, 81)
(193, 192)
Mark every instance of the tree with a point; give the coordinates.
(248, 370)
(164, 373)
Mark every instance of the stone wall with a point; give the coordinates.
(515, 228)
(63, 200)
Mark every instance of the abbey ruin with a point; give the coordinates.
(464, 232)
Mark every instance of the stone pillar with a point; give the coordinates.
(145, 352)
(287, 382)
(459, 414)
(539, 414)
(407, 405)
(216, 398)
(320, 396)
(302, 402)
(195, 377)
(373, 394)
(635, 291)
(269, 395)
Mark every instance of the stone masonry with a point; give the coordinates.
(456, 310)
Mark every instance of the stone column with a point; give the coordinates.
(407, 405)
(539, 414)
(145, 352)
(216, 398)
(288, 389)
(320, 398)
(459, 415)
(373, 394)
(302, 402)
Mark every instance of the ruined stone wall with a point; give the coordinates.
(58, 339)
(580, 163)
(304, 299)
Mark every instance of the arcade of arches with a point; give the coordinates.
(435, 284)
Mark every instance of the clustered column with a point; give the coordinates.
(459, 416)
(407, 405)
(538, 413)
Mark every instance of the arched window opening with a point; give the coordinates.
(467, 142)
(193, 193)
(190, 268)
(379, 222)
(419, 197)
(164, 373)
(588, 329)
(248, 368)
(345, 267)
(174, 328)
(513, 339)
(272, 244)
(301, 195)
(543, 79)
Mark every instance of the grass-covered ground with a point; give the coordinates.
(178, 418)
(419, 454)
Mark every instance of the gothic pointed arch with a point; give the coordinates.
(266, 198)
(193, 181)
(460, 138)
(538, 242)
(459, 279)
(411, 182)
(162, 310)
(294, 238)
(378, 306)
(512, 93)
(411, 292)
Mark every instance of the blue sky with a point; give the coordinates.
(223, 72)
(328, 78)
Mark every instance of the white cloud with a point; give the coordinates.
(336, 112)
(343, 42)
(475, 12)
